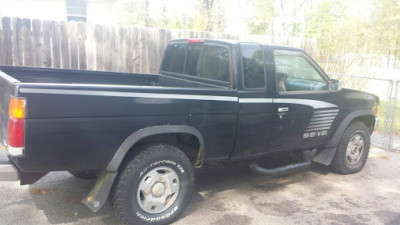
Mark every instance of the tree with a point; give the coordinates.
(134, 12)
(324, 22)
(341, 40)
(260, 23)
(335, 38)
(210, 15)
(385, 28)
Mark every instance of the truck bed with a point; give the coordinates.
(75, 116)
(66, 76)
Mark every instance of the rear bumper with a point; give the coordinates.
(8, 172)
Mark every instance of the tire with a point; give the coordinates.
(85, 175)
(348, 162)
(143, 177)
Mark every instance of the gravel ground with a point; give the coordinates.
(232, 195)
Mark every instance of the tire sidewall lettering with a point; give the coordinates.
(169, 162)
(158, 218)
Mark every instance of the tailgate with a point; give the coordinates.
(6, 90)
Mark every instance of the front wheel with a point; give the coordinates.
(153, 187)
(353, 149)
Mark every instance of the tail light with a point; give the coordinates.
(16, 126)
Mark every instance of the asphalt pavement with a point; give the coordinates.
(231, 195)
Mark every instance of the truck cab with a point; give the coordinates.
(286, 102)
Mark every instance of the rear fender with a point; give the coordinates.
(99, 193)
(130, 141)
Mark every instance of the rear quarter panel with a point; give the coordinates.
(75, 129)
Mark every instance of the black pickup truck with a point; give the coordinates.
(142, 135)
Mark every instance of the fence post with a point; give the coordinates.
(90, 48)
(73, 39)
(37, 42)
(55, 45)
(16, 43)
(82, 45)
(392, 127)
(46, 44)
(64, 39)
(6, 49)
(386, 121)
(122, 50)
(128, 50)
(27, 42)
(98, 38)
(106, 48)
(114, 48)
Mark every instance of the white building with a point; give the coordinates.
(92, 11)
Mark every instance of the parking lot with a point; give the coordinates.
(232, 195)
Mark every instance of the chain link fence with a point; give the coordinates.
(387, 131)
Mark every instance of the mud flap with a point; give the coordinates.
(99, 193)
(325, 156)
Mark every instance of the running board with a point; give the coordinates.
(284, 169)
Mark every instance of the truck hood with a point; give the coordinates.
(359, 99)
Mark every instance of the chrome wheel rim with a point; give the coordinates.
(158, 190)
(354, 150)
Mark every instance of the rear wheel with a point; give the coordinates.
(153, 187)
(353, 149)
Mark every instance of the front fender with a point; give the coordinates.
(326, 155)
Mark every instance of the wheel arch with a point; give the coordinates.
(325, 156)
(147, 132)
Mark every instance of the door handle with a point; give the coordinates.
(285, 109)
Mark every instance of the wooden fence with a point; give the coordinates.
(77, 45)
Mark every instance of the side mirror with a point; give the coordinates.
(335, 85)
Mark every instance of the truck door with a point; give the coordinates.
(255, 108)
(302, 107)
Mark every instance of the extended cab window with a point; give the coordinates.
(193, 60)
(295, 73)
(202, 61)
(253, 65)
(174, 58)
(208, 61)
(215, 63)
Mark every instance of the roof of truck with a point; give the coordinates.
(229, 41)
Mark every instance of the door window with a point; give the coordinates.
(295, 73)
(253, 65)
